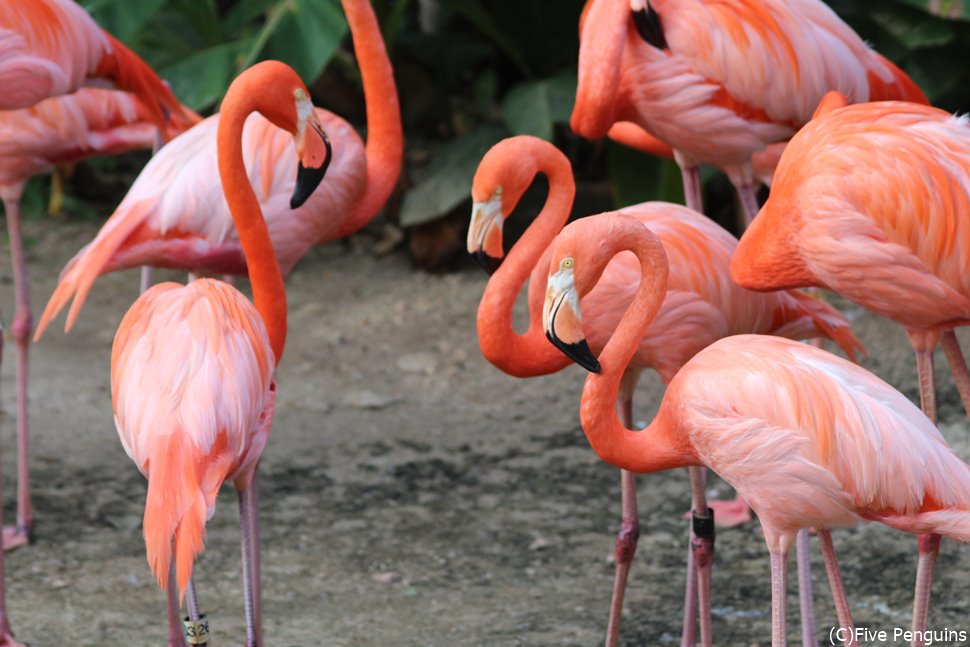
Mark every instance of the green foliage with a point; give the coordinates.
(201, 45)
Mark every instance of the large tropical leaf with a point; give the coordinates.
(534, 107)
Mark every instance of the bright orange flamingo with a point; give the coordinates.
(53, 47)
(34, 140)
(872, 201)
(192, 367)
(175, 215)
(718, 81)
(808, 439)
(701, 306)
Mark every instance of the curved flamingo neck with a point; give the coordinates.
(601, 47)
(528, 354)
(385, 140)
(269, 296)
(658, 447)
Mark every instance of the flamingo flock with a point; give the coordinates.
(869, 198)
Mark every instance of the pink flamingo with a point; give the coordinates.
(872, 201)
(192, 367)
(175, 215)
(718, 81)
(701, 306)
(53, 47)
(808, 439)
(32, 141)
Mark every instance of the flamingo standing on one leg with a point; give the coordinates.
(808, 439)
(175, 215)
(718, 81)
(192, 367)
(872, 201)
(53, 47)
(32, 141)
(701, 306)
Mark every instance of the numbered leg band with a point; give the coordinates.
(196, 631)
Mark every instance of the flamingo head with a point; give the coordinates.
(503, 175)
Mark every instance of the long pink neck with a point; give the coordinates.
(385, 139)
(528, 354)
(600, 55)
(269, 296)
(658, 447)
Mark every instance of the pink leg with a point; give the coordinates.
(196, 624)
(927, 387)
(749, 204)
(146, 278)
(176, 637)
(803, 554)
(21, 329)
(929, 548)
(6, 633)
(248, 526)
(626, 539)
(779, 595)
(838, 589)
(689, 635)
(958, 367)
(691, 176)
(702, 545)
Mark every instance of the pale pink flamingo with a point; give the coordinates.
(808, 439)
(175, 215)
(53, 47)
(192, 367)
(35, 140)
(872, 201)
(701, 306)
(720, 80)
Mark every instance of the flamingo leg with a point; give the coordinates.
(689, 635)
(749, 204)
(958, 366)
(250, 560)
(176, 634)
(691, 176)
(927, 386)
(838, 589)
(929, 548)
(626, 539)
(21, 328)
(803, 555)
(6, 633)
(779, 595)
(146, 279)
(702, 546)
(198, 639)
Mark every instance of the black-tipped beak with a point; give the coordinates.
(578, 352)
(309, 178)
(649, 27)
(488, 263)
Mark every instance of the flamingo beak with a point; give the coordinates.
(315, 153)
(485, 232)
(563, 322)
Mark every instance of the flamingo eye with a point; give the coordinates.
(567, 264)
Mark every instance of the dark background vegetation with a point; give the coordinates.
(469, 73)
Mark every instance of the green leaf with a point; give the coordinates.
(122, 18)
(636, 177)
(199, 80)
(307, 35)
(482, 20)
(449, 179)
(914, 34)
(533, 107)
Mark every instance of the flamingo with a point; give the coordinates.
(175, 215)
(806, 438)
(872, 201)
(53, 47)
(701, 306)
(192, 367)
(34, 140)
(719, 81)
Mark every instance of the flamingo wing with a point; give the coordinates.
(192, 390)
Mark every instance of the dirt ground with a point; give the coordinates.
(411, 493)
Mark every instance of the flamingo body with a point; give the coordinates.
(193, 393)
(871, 201)
(731, 78)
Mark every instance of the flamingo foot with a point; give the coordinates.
(14, 537)
(728, 514)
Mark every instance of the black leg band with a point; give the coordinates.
(703, 526)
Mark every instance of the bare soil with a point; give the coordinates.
(411, 493)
